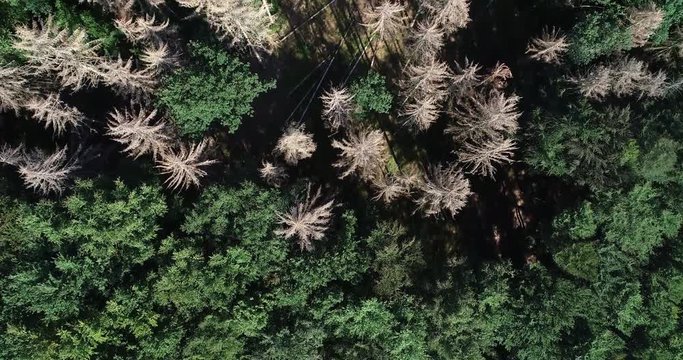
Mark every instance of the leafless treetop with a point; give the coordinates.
(54, 113)
(363, 152)
(70, 55)
(482, 158)
(483, 117)
(307, 220)
(549, 47)
(272, 174)
(451, 14)
(11, 155)
(626, 77)
(46, 174)
(421, 113)
(445, 189)
(337, 107)
(385, 20)
(185, 167)
(137, 29)
(644, 23)
(426, 40)
(158, 57)
(136, 131)
(245, 22)
(295, 145)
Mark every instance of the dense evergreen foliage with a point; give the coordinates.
(428, 180)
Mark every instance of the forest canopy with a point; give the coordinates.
(368, 179)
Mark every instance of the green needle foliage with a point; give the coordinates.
(215, 88)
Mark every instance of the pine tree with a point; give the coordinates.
(385, 20)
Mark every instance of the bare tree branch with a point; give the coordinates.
(307, 220)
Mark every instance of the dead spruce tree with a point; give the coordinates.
(12, 156)
(75, 62)
(451, 14)
(307, 220)
(480, 117)
(627, 77)
(482, 158)
(46, 174)
(272, 174)
(158, 57)
(444, 189)
(243, 21)
(14, 89)
(338, 107)
(425, 88)
(364, 152)
(385, 20)
(425, 41)
(184, 167)
(644, 23)
(389, 187)
(139, 131)
(141, 28)
(295, 145)
(549, 48)
(69, 55)
(54, 113)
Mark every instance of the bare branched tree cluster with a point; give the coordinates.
(307, 220)
(549, 48)
(364, 152)
(54, 113)
(295, 145)
(626, 77)
(644, 23)
(244, 22)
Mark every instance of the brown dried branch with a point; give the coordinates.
(159, 57)
(11, 155)
(421, 113)
(426, 41)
